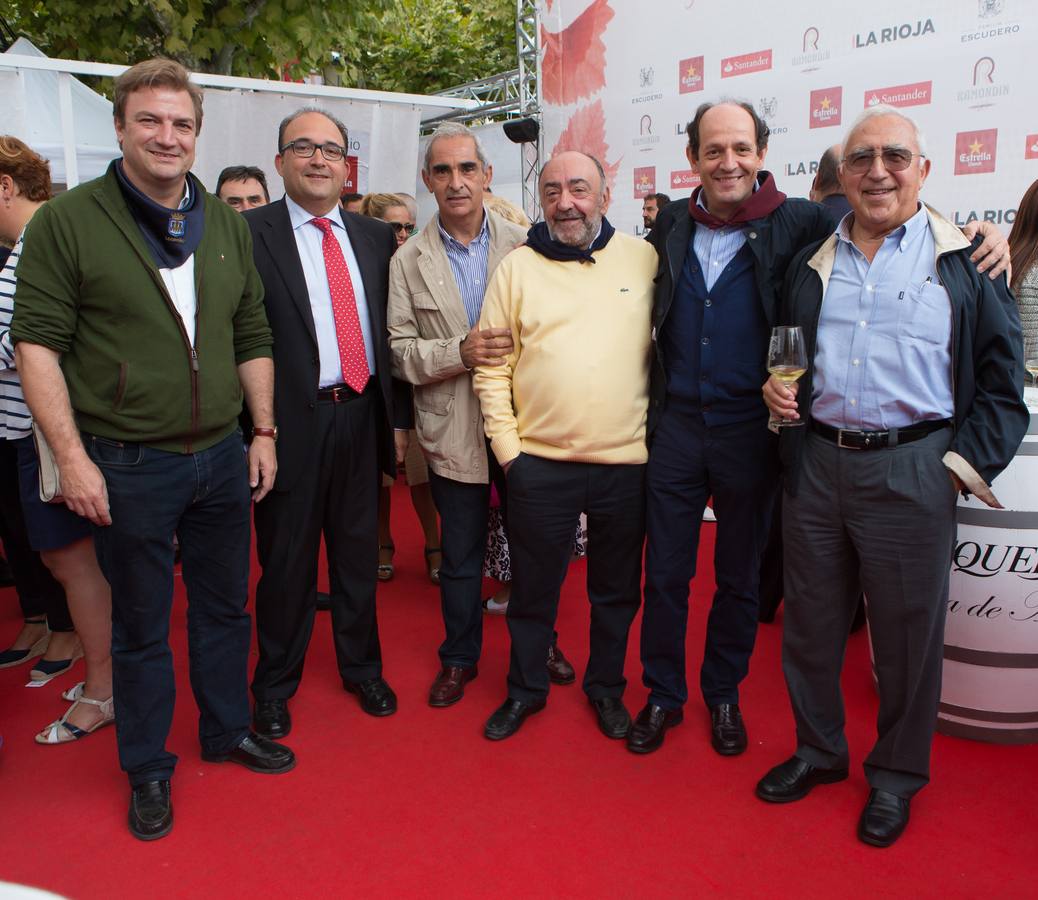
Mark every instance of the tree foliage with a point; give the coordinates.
(229, 37)
(424, 46)
(418, 46)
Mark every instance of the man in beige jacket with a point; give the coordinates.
(436, 286)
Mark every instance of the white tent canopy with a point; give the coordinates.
(31, 100)
(71, 125)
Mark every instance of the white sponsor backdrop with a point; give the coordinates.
(621, 78)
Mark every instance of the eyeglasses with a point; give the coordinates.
(895, 159)
(402, 227)
(304, 149)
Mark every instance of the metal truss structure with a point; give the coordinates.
(514, 94)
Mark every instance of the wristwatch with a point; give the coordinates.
(265, 432)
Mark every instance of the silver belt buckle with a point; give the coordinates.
(840, 432)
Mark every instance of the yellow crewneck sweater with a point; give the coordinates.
(576, 386)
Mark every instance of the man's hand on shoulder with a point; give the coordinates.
(992, 256)
(488, 347)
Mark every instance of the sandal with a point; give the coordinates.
(17, 657)
(63, 732)
(434, 571)
(385, 570)
(47, 669)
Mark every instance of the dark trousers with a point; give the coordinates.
(881, 521)
(337, 496)
(689, 462)
(204, 498)
(545, 500)
(464, 510)
(39, 594)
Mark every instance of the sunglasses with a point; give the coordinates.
(402, 227)
(895, 159)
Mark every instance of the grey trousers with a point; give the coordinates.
(881, 521)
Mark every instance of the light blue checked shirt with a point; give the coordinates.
(469, 265)
(883, 354)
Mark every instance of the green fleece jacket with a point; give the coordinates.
(88, 288)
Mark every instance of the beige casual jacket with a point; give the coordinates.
(427, 322)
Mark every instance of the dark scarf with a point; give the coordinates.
(762, 202)
(538, 238)
(172, 235)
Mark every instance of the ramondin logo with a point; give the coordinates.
(985, 90)
(810, 53)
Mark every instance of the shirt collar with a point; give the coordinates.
(904, 234)
(451, 242)
(299, 216)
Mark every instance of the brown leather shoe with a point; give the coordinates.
(559, 669)
(449, 686)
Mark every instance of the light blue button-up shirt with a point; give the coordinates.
(883, 354)
(716, 247)
(469, 265)
(309, 242)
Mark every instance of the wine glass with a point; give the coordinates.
(787, 360)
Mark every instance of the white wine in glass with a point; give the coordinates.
(787, 360)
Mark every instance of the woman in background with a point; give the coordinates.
(1023, 251)
(63, 539)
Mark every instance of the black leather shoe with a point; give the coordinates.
(257, 754)
(376, 697)
(614, 720)
(559, 669)
(794, 779)
(270, 719)
(883, 819)
(646, 734)
(727, 731)
(151, 811)
(506, 719)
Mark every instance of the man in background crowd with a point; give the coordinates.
(651, 207)
(826, 188)
(243, 187)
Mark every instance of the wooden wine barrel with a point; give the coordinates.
(990, 687)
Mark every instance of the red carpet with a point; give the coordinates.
(420, 804)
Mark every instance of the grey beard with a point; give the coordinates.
(583, 241)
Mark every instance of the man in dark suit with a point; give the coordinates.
(325, 273)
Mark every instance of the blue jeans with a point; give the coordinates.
(203, 497)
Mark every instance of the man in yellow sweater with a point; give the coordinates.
(566, 416)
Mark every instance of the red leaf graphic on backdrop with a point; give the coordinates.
(574, 58)
(586, 133)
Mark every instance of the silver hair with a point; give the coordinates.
(291, 117)
(882, 109)
(454, 130)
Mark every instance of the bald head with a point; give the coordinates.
(575, 197)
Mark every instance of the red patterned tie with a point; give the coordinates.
(355, 371)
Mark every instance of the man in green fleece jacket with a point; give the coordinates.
(139, 326)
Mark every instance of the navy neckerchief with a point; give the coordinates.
(172, 235)
(538, 238)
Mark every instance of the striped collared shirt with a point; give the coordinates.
(716, 247)
(469, 265)
(15, 419)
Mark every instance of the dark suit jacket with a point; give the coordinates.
(296, 361)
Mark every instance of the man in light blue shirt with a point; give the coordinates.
(912, 393)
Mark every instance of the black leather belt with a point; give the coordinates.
(340, 393)
(877, 440)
